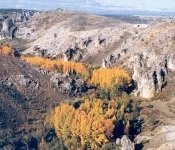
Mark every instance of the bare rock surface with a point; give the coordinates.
(68, 85)
(9, 23)
(8, 28)
(58, 31)
(150, 56)
(165, 138)
(125, 143)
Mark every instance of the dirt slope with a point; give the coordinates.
(24, 105)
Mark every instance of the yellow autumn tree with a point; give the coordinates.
(107, 78)
(5, 50)
(58, 64)
(91, 123)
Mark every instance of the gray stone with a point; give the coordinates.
(8, 29)
(22, 80)
(67, 84)
(72, 54)
(171, 62)
(125, 143)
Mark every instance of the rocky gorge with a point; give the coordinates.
(146, 51)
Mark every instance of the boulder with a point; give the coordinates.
(125, 143)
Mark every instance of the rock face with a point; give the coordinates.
(72, 54)
(110, 61)
(145, 85)
(68, 85)
(149, 79)
(8, 29)
(171, 62)
(150, 56)
(125, 143)
(9, 23)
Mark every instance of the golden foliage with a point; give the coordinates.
(104, 78)
(92, 123)
(58, 64)
(5, 50)
(107, 78)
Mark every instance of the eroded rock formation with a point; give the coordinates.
(9, 23)
(67, 84)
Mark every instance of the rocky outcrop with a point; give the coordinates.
(171, 62)
(73, 54)
(40, 52)
(149, 79)
(21, 81)
(8, 29)
(68, 85)
(110, 61)
(145, 85)
(149, 55)
(10, 22)
(125, 143)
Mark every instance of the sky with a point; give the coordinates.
(93, 6)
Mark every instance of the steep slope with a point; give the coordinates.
(25, 97)
(57, 31)
(149, 54)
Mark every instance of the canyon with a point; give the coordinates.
(145, 49)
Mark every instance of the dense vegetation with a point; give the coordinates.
(58, 65)
(110, 81)
(110, 77)
(92, 124)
